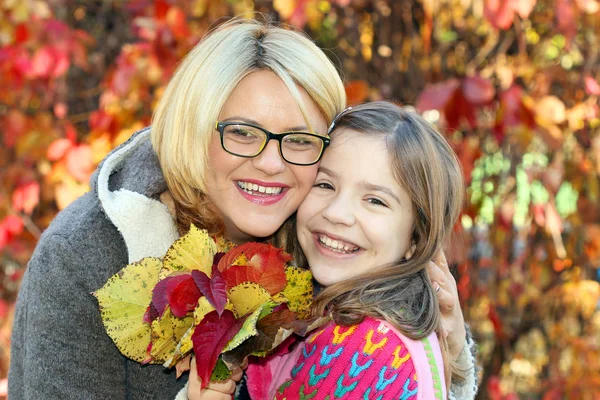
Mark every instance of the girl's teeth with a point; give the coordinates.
(336, 245)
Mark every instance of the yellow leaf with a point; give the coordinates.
(203, 308)
(193, 251)
(184, 346)
(123, 301)
(247, 330)
(299, 290)
(247, 297)
(167, 332)
(224, 245)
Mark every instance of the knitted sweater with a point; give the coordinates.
(364, 361)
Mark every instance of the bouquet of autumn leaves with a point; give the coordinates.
(219, 301)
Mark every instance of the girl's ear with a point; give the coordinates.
(409, 253)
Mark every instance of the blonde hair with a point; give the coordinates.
(426, 167)
(185, 117)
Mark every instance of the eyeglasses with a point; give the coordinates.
(247, 140)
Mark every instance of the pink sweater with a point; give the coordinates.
(371, 360)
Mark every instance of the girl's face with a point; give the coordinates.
(356, 217)
(256, 195)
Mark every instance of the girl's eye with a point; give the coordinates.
(376, 202)
(324, 185)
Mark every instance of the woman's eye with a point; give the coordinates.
(242, 132)
(376, 202)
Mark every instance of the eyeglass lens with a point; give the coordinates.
(248, 141)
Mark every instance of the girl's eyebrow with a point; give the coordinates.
(378, 188)
(368, 186)
(236, 118)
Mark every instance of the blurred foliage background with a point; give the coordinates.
(513, 83)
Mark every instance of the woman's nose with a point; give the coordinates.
(269, 160)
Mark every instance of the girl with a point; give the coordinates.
(387, 194)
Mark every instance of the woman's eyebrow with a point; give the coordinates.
(236, 118)
(378, 188)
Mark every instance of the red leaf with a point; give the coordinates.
(79, 162)
(102, 121)
(500, 13)
(61, 62)
(566, 18)
(21, 33)
(4, 236)
(357, 92)
(478, 91)
(591, 86)
(213, 288)
(14, 125)
(58, 148)
(179, 291)
(457, 110)
(42, 63)
(161, 7)
(13, 224)
(210, 338)
(268, 264)
(435, 97)
(183, 297)
(26, 197)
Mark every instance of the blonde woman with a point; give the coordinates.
(186, 169)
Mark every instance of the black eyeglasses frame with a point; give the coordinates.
(220, 127)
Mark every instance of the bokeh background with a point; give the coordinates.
(514, 84)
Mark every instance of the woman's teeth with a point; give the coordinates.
(336, 245)
(253, 188)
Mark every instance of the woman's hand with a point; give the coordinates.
(453, 322)
(222, 390)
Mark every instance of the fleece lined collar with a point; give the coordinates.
(128, 184)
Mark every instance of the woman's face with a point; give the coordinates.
(256, 195)
(356, 217)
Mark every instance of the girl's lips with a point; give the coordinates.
(262, 198)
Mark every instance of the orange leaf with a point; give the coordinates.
(177, 21)
(357, 92)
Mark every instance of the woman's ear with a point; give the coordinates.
(409, 253)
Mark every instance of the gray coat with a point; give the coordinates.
(59, 348)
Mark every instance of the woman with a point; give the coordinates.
(244, 71)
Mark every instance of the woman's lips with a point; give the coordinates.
(262, 193)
